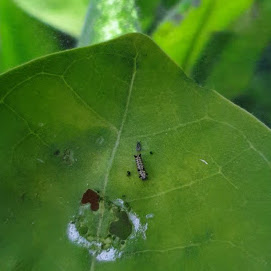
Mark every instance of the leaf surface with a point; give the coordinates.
(71, 122)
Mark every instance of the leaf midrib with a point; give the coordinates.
(115, 148)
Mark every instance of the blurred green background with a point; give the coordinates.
(223, 45)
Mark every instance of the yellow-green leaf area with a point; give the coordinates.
(71, 121)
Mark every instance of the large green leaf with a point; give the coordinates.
(70, 122)
(185, 41)
(22, 37)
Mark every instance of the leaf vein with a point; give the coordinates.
(163, 250)
(113, 154)
(174, 128)
(175, 188)
(245, 137)
(88, 106)
(31, 131)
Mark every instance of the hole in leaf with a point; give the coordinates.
(83, 230)
(122, 228)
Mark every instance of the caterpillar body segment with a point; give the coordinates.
(143, 175)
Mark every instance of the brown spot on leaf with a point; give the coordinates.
(91, 197)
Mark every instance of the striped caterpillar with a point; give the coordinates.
(140, 167)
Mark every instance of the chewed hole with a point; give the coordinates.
(83, 230)
(122, 227)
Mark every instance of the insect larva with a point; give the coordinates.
(138, 146)
(140, 167)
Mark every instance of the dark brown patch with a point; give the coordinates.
(91, 197)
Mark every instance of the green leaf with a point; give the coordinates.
(64, 15)
(108, 19)
(22, 37)
(151, 12)
(147, 12)
(185, 41)
(233, 67)
(68, 15)
(257, 97)
(70, 125)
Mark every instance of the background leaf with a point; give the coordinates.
(22, 37)
(257, 97)
(185, 41)
(68, 16)
(71, 122)
(64, 15)
(236, 38)
(242, 49)
(107, 19)
(153, 11)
